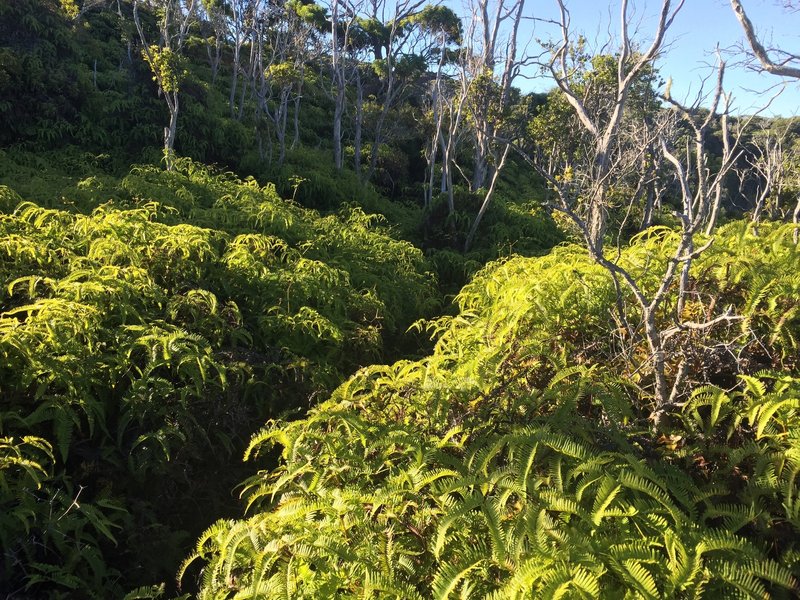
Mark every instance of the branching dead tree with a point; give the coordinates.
(630, 65)
(786, 63)
(451, 99)
(494, 26)
(444, 28)
(283, 46)
(489, 93)
(215, 24)
(606, 158)
(343, 15)
(771, 163)
(396, 37)
(240, 25)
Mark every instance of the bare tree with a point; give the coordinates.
(397, 36)
(447, 96)
(489, 94)
(282, 39)
(785, 63)
(494, 27)
(215, 25)
(442, 102)
(699, 190)
(343, 15)
(773, 60)
(239, 19)
(769, 162)
(449, 99)
(630, 65)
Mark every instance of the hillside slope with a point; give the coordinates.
(518, 461)
(145, 333)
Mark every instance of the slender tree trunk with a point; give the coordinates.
(387, 104)
(481, 167)
(486, 200)
(296, 116)
(713, 213)
(250, 79)
(447, 176)
(234, 81)
(434, 149)
(280, 126)
(359, 119)
(217, 60)
(337, 69)
(170, 132)
(656, 345)
(338, 113)
(649, 207)
(438, 119)
(761, 199)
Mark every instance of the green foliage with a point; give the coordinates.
(40, 98)
(511, 226)
(492, 468)
(374, 502)
(151, 321)
(142, 340)
(439, 20)
(168, 67)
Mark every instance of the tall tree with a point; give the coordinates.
(787, 64)
(394, 38)
(699, 188)
(772, 160)
(493, 64)
(491, 72)
(603, 126)
(165, 58)
(343, 17)
(283, 51)
(243, 25)
(214, 31)
(443, 29)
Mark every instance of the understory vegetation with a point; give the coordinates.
(139, 350)
(517, 461)
(469, 342)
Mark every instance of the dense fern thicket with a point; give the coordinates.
(153, 318)
(77, 98)
(144, 333)
(517, 460)
(80, 82)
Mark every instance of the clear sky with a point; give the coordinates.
(698, 28)
(702, 24)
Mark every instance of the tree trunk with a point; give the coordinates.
(378, 139)
(486, 200)
(234, 81)
(296, 115)
(649, 207)
(280, 126)
(359, 119)
(656, 346)
(338, 112)
(481, 168)
(170, 131)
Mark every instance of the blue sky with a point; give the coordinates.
(698, 28)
